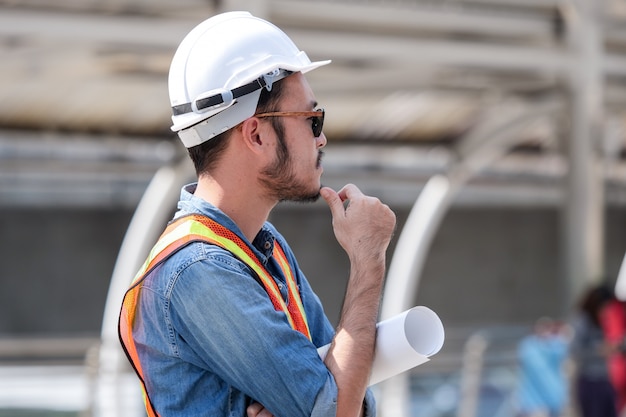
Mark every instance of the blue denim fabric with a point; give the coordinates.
(210, 342)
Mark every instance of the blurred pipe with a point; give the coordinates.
(471, 374)
(583, 210)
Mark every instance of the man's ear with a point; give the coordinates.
(253, 133)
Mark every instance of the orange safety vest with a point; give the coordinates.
(195, 228)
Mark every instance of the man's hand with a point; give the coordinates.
(257, 410)
(363, 225)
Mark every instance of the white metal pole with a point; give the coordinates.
(112, 397)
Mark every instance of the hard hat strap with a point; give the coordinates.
(218, 99)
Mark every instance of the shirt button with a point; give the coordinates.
(268, 244)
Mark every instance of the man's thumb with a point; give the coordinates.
(332, 199)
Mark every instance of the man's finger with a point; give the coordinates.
(333, 200)
(257, 410)
(254, 409)
(349, 192)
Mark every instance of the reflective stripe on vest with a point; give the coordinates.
(195, 228)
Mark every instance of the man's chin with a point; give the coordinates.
(310, 198)
(305, 197)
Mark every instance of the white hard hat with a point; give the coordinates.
(219, 69)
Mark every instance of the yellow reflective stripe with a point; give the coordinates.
(195, 227)
(183, 229)
(166, 239)
(201, 229)
(294, 294)
(270, 284)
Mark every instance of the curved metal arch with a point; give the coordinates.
(152, 213)
(489, 141)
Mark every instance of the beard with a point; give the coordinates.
(280, 177)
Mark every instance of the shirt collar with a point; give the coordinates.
(263, 243)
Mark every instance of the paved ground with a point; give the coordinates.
(59, 390)
(52, 391)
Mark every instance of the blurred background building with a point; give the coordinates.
(508, 118)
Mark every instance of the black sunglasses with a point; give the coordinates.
(317, 118)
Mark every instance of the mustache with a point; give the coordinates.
(320, 155)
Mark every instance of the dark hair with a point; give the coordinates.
(208, 153)
(594, 299)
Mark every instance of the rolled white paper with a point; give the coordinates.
(403, 342)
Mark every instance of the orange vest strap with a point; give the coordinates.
(179, 234)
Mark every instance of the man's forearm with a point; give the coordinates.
(352, 352)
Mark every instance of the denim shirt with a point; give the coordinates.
(211, 343)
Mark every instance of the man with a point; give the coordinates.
(220, 321)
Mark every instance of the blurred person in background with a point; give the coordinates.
(613, 321)
(221, 321)
(590, 351)
(543, 386)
